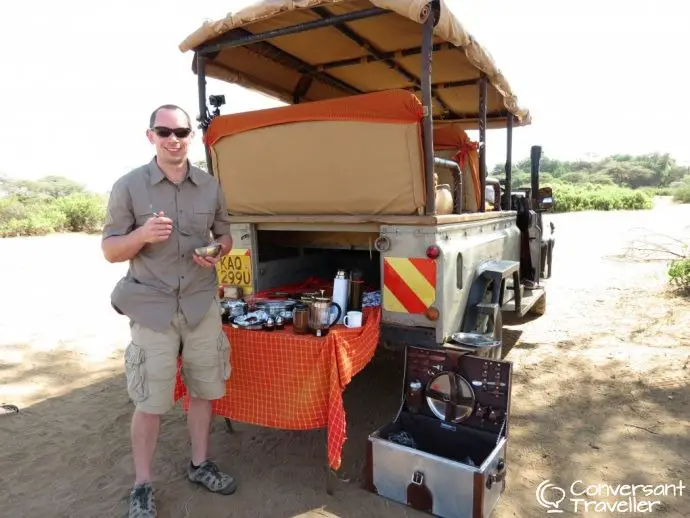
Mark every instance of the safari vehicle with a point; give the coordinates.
(368, 165)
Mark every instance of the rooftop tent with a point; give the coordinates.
(375, 46)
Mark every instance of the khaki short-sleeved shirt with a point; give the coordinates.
(163, 276)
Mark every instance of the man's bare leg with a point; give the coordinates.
(199, 426)
(144, 431)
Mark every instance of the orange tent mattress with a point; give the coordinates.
(349, 156)
(391, 106)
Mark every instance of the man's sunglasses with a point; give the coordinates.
(164, 132)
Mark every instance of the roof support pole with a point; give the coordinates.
(236, 38)
(258, 43)
(203, 110)
(509, 164)
(382, 56)
(482, 142)
(269, 51)
(379, 55)
(535, 157)
(427, 120)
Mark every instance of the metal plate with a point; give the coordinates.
(439, 392)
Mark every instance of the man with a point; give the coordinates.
(157, 215)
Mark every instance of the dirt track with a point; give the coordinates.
(601, 391)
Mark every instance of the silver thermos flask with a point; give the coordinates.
(340, 293)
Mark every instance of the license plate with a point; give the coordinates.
(236, 270)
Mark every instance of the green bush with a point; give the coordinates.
(658, 191)
(679, 274)
(84, 212)
(682, 195)
(11, 209)
(571, 198)
(81, 212)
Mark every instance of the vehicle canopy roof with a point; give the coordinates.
(377, 46)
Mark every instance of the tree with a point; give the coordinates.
(633, 171)
(48, 187)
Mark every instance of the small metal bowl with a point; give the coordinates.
(276, 307)
(207, 251)
(234, 308)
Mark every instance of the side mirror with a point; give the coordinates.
(545, 198)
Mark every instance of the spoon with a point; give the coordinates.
(182, 232)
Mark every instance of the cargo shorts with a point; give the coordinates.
(151, 361)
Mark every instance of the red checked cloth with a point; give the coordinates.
(295, 382)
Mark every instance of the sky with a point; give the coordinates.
(81, 78)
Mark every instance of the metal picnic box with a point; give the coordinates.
(445, 451)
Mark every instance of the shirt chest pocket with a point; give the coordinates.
(201, 219)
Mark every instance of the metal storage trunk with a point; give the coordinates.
(445, 451)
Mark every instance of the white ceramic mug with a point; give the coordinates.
(353, 319)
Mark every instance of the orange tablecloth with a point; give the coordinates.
(295, 382)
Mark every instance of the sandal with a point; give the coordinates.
(6, 409)
(209, 476)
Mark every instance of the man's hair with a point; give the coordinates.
(152, 120)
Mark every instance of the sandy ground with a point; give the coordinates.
(600, 393)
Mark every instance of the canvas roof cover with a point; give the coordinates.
(367, 55)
